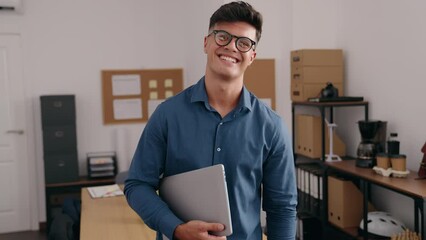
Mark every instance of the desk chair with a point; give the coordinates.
(121, 177)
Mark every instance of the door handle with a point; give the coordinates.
(18, 131)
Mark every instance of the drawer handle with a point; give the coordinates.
(17, 131)
(296, 76)
(57, 104)
(296, 59)
(59, 134)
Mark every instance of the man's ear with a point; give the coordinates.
(252, 57)
(205, 45)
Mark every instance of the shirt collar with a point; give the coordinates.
(199, 94)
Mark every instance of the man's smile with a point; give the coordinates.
(229, 59)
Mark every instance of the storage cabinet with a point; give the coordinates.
(59, 138)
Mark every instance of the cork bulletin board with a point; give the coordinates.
(259, 79)
(130, 96)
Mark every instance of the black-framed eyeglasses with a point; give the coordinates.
(223, 38)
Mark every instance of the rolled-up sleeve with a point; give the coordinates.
(279, 187)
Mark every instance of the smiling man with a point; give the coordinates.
(218, 121)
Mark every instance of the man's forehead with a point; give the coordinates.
(240, 29)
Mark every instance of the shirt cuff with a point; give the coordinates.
(168, 224)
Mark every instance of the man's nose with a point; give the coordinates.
(232, 45)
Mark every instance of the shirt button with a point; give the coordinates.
(218, 149)
(221, 123)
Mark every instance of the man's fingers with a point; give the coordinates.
(215, 227)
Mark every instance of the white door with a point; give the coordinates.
(14, 181)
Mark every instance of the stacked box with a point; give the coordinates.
(312, 69)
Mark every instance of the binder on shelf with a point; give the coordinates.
(309, 182)
(101, 164)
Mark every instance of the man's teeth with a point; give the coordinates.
(229, 59)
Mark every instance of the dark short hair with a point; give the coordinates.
(238, 12)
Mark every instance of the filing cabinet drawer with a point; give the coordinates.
(58, 110)
(61, 139)
(61, 168)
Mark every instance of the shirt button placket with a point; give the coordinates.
(218, 129)
(217, 142)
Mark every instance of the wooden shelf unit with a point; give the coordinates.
(323, 107)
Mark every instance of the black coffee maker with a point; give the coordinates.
(373, 140)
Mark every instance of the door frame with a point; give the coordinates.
(35, 180)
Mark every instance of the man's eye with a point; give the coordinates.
(244, 44)
(223, 38)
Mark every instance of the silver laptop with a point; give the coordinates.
(199, 195)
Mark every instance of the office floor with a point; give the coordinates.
(29, 235)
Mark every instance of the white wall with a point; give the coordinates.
(67, 43)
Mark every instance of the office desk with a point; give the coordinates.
(111, 218)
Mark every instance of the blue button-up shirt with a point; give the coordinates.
(185, 133)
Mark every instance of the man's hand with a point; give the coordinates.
(198, 230)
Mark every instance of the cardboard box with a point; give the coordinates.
(315, 74)
(317, 57)
(301, 92)
(345, 203)
(308, 137)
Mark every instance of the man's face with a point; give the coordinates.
(227, 62)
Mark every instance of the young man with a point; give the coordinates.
(217, 121)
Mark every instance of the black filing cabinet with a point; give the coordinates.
(60, 156)
(59, 138)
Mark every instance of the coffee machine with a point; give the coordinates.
(373, 140)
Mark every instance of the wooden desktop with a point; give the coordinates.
(111, 218)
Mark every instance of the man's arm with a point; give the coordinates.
(279, 188)
(144, 175)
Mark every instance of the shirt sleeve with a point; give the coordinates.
(279, 187)
(144, 174)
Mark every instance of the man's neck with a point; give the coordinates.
(223, 94)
